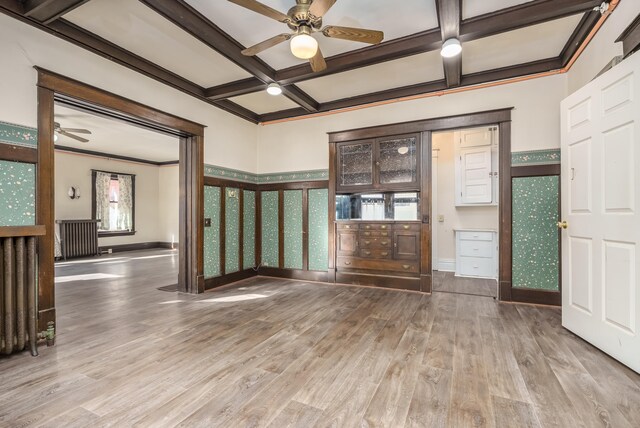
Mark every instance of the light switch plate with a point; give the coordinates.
(441, 218)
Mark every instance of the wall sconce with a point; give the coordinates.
(232, 193)
(74, 192)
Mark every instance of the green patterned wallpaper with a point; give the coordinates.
(249, 230)
(318, 229)
(232, 230)
(535, 234)
(293, 229)
(270, 242)
(212, 234)
(17, 194)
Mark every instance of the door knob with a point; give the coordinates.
(563, 225)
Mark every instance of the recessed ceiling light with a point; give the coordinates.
(451, 48)
(274, 89)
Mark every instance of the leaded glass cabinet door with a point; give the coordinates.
(355, 165)
(397, 161)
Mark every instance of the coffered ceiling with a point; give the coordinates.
(195, 45)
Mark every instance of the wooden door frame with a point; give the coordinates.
(501, 118)
(191, 176)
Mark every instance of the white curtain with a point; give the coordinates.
(125, 203)
(103, 181)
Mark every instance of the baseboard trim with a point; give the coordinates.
(302, 275)
(137, 246)
(447, 265)
(219, 281)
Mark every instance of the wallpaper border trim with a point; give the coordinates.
(19, 135)
(535, 157)
(277, 177)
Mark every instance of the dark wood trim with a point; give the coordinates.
(396, 282)
(193, 22)
(509, 72)
(302, 275)
(426, 202)
(219, 182)
(297, 185)
(540, 297)
(112, 156)
(241, 230)
(115, 234)
(281, 236)
(535, 170)
(17, 231)
(219, 281)
(505, 207)
(45, 209)
(258, 229)
(332, 213)
(435, 124)
(119, 248)
(234, 89)
(449, 18)
(305, 229)
(587, 23)
(223, 230)
(15, 153)
(520, 16)
(47, 11)
(630, 37)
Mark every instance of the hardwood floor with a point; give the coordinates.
(447, 282)
(276, 353)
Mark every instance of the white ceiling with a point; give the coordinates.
(395, 18)
(471, 8)
(115, 137)
(133, 26)
(261, 102)
(411, 70)
(527, 44)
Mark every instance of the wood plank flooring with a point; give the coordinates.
(275, 353)
(447, 282)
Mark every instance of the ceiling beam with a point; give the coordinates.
(47, 11)
(520, 16)
(512, 18)
(588, 22)
(449, 17)
(193, 22)
(234, 89)
(524, 69)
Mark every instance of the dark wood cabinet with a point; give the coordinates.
(406, 245)
(389, 163)
(347, 243)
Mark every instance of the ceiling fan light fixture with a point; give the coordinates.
(274, 89)
(451, 48)
(304, 46)
(55, 138)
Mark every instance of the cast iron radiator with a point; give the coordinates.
(18, 289)
(78, 238)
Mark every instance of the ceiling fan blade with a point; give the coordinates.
(262, 9)
(320, 7)
(269, 43)
(317, 62)
(353, 34)
(75, 137)
(76, 130)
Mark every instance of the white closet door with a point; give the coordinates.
(475, 176)
(600, 127)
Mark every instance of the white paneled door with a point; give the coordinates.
(600, 197)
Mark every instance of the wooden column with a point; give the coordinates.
(426, 276)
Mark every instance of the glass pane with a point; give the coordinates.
(378, 206)
(536, 261)
(356, 164)
(398, 161)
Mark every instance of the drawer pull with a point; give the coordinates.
(367, 242)
(406, 227)
(476, 249)
(475, 236)
(347, 227)
(384, 234)
(347, 263)
(368, 253)
(384, 254)
(367, 233)
(367, 227)
(405, 267)
(384, 242)
(384, 226)
(475, 266)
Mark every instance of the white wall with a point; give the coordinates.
(154, 217)
(485, 217)
(168, 203)
(303, 145)
(229, 140)
(603, 48)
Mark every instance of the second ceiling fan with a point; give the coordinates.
(304, 19)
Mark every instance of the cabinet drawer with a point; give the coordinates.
(376, 226)
(414, 227)
(383, 265)
(348, 226)
(476, 236)
(375, 242)
(476, 266)
(476, 249)
(374, 233)
(376, 254)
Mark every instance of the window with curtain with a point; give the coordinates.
(113, 202)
